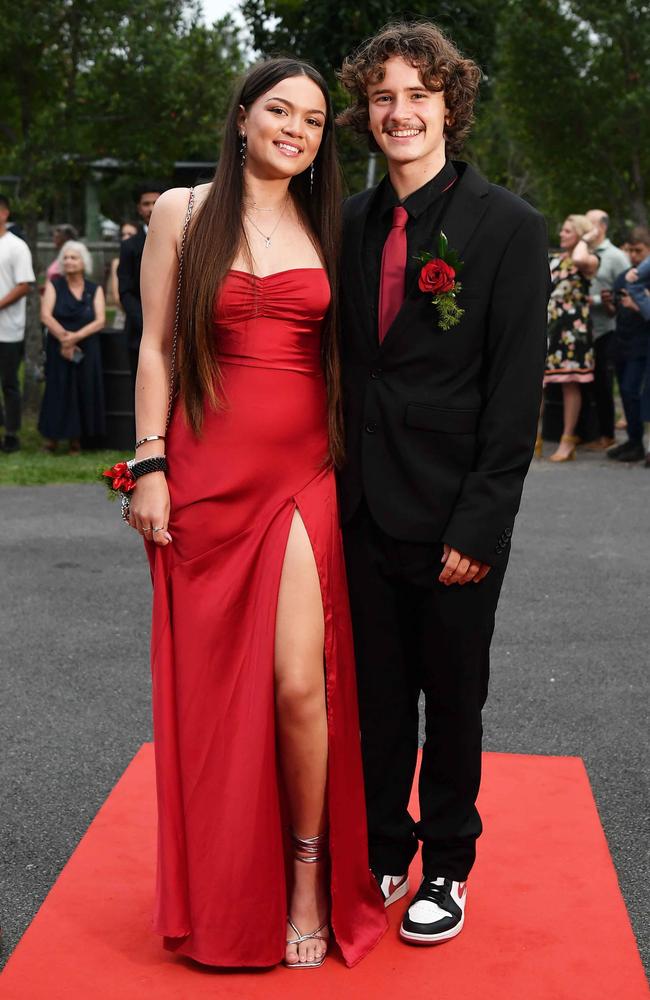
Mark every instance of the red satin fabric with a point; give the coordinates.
(393, 270)
(221, 893)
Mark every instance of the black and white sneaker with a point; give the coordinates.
(393, 887)
(436, 912)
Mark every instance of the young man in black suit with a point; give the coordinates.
(442, 387)
(128, 270)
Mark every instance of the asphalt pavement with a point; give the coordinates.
(569, 664)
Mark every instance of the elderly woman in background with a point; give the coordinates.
(60, 235)
(73, 311)
(570, 358)
(127, 230)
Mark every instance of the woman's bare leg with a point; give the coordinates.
(302, 727)
(572, 401)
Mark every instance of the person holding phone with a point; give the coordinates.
(73, 310)
(631, 348)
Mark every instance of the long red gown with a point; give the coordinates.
(221, 893)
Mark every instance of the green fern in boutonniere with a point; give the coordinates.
(438, 277)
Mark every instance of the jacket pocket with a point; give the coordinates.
(435, 418)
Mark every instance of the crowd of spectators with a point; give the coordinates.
(72, 312)
(599, 329)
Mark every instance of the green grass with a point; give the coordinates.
(32, 467)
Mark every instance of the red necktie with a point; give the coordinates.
(393, 266)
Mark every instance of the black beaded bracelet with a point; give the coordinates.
(145, 465)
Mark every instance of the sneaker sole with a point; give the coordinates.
(399, 892)
(425, 939)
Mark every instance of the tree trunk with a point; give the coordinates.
(639, 208)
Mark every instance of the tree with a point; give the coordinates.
(572, 84)
(142, 81)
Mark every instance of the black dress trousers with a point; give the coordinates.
(414, 634)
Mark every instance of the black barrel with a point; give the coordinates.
(587, 426)
(118, 390)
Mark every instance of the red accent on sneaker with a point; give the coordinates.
(462, 889)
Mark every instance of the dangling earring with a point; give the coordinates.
(242, 148)
(311, 179)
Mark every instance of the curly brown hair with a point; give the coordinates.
(442, 67)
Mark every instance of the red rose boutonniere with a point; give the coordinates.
(439, 277)
(118, 478)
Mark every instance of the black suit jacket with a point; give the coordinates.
(440, 425)
(128, 279)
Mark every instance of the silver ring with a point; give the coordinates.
(162, 528)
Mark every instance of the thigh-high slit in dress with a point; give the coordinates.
(222, 877)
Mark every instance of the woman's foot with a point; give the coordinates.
(566, 450)
(75, 447)
(309, 909)
(49, 445)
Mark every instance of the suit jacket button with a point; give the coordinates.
(508, 532)
(371, 428)
(376, 373)
(498, 550)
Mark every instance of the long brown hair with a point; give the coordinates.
(217, 232)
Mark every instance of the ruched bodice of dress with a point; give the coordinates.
(270, 322)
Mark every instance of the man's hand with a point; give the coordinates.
(628, 302)
(607, 300)
(461, 569)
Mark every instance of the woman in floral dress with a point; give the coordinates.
(570, 358)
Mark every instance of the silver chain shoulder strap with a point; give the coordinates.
(172, 367)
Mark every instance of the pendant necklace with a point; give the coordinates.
(267, 239)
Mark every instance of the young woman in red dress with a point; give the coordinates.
(255, 714)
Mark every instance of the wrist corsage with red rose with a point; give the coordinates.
(439, 277)
(122, 478)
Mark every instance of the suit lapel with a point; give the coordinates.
(466, 210)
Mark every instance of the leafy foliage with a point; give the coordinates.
(449, 312)
(143, 82)
(572, 85)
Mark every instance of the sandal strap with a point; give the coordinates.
(314, 935)
(309, 847)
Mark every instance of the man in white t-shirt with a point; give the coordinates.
(16, 275)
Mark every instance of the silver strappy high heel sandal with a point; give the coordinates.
(308, 851)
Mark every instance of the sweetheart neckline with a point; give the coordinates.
(274, 274)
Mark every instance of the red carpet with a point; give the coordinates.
(545, 918)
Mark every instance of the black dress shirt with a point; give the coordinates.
(426, 208)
